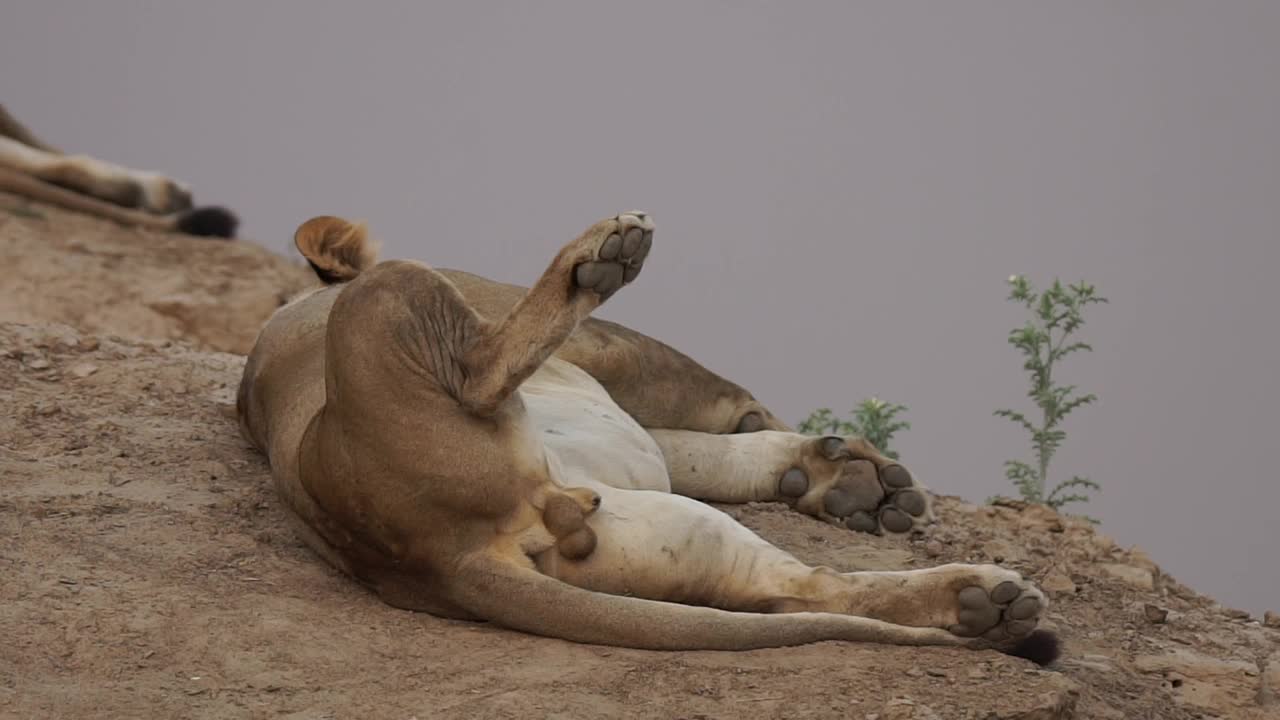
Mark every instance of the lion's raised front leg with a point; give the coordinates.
(585, 273)
(844, 481)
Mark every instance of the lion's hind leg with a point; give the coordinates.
(671, 548)
(991, 605)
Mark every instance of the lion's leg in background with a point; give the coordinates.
(844, 481)
(11, 128)
(661, 387)
(152, 192)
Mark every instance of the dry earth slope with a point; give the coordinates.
(146, 569)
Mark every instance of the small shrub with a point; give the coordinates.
(874, 420)
(1056, 315)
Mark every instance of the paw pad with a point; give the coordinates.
(846, 482)
(1008, 611)
(620, 256)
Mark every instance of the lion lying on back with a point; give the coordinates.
(478, 450)
(37, 170)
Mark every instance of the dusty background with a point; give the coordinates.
(148, 570)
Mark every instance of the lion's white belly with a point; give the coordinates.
(589, 440)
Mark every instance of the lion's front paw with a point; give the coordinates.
(619, 248)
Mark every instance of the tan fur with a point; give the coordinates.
(478, 451)
(338, 250)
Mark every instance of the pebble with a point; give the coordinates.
(1271, 619)
(38, 364)
(83, 370)
(1135, 577)
(1155, 615)
(1057, 582)
(933, 548)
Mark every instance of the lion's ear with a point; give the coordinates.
(337, 249)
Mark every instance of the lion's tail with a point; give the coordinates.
(522, 598)
(202, 221)
(337, 249)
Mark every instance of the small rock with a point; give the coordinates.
(904, 709)
(48, 410)
(38, 364)
(1154, 614)
(1041, 517)
(88, 344)
(66, 341)
(1197, 679)
(915, 673)
(1267, 684)
(1103, 543)
(1100, 663)
(935, 673)
(83, 370)
(1271, 619)
(1000, 551)
(1136, 577)
(1140, 558)
(933, 548)
(1265, 697)
(1057, 582)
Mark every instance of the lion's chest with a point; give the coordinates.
(589, 439)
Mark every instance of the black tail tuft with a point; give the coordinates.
(1040, 647)
(209, 222)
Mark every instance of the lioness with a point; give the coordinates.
(35, 169)
(477, 450)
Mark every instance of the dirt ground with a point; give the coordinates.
(147, 571)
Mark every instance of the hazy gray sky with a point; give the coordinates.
(858, 179)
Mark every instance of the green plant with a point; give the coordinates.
(1056, 315)
(873, 420)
